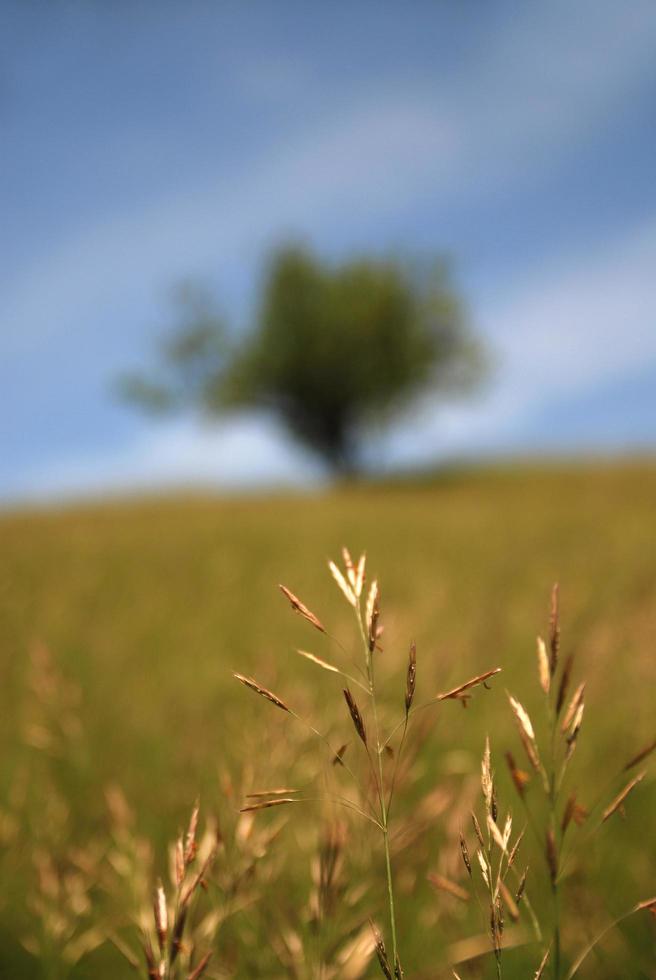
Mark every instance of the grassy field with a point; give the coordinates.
(147, 607)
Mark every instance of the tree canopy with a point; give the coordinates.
(333, 349)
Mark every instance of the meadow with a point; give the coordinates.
(121, 625)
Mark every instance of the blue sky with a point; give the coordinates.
(144, 143)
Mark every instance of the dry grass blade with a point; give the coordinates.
(339, 755)
(302, 609)
(269, 695)
(457, 692)
(446, 885)
(621, 796)
(356, 717)
(318, 661)
(648, 749)
(266, 804)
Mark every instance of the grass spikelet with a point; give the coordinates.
(514, 849)
(343, 584)
(360, 575)
(543, 963)
(554, 629)
(642, 754)
(161, 916)
(457, 692)
(190, 839)
(621, 796)
(477, 830)
(302, 609)
(269, 695)
(465, 854)
(544, 669)
(484, 869)
(179, 861)
(411, 678)
(486, 776)
(372, 615)
(564, 683)
(381, 952)
(573, 706)
(318, 661)
(356, 717)
(266, 804)
(519, 776)
(526, 732)
(521, 888)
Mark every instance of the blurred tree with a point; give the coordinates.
(333, 350)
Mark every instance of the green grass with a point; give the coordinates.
(149, 606)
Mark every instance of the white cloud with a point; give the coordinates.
(588, 319)
(499, 120)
